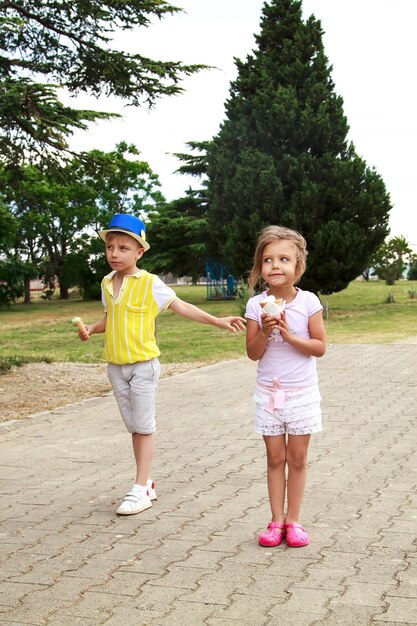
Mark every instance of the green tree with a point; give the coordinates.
(118, 182)
(177, 232)
(282, 157)
(390, 260)
(15, 272)
(412, 270)
(54, 217)
(49, 214)
(69, 44)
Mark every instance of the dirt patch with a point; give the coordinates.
(41, 387)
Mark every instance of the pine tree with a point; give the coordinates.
(50, 44)
(282, 157)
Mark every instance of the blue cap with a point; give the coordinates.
(129, 225)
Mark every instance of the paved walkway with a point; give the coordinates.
(193, 559)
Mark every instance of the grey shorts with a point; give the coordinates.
(134, 387)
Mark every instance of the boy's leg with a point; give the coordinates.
(143, 449)
(276, 454)
(297, 448)
(139, 498)
(134, 387)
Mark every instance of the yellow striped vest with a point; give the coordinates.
(130, 324)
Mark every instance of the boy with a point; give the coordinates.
(132, 299)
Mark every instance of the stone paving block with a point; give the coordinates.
(121, 583)
(273, 587)
(61, 620)
(409, 573)
(377, 568)
(181, 577)
(184, 613)
(216, 543)
(284, 564)
(363, 594)
(309, 600)
(93, 605)
(379, 623)
(224, 526)
(147, 563)
(402, 541)
(404, 590)
(314, 577)
(213, 592)
(204, 559)
(14, 593)
(243, 607)
(399, 610)
(350, 615)
(216, 621)
(280, 615)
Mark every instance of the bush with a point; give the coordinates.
(412, 272)
(242, 292)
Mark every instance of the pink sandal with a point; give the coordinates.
(273, 536)
(296, 536)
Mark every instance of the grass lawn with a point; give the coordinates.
(42, 331)
(361, 314)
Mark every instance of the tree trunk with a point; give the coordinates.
(27, 290)
(63, 291)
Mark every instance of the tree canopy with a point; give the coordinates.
(178, 232)
(51, 224)
(46, 44)
(392, 258)
(282, 157)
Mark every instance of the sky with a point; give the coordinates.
(370, 44)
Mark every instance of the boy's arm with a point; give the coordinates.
(94, 329)
(191, 312)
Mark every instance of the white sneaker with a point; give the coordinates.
(151, 488)
(134, 502)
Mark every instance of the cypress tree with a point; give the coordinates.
(282, 157)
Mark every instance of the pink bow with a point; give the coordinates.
(277, 398)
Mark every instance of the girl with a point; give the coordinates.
(287, 395)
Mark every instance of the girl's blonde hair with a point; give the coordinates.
(277, 233)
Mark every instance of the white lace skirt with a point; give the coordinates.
(300, 415)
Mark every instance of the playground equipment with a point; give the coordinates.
(221, 284)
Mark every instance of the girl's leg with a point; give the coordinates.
(143, 448)
(276, 453)
(297, 474)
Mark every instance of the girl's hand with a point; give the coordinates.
(232, 323)
(283, 327)
(268, 324)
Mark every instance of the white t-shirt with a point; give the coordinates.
(280, 360)
(163, 295)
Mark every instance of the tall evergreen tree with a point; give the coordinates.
(282, 157)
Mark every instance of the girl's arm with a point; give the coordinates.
(315, 345)
(94, 329)
(257, 338)
(191, 312)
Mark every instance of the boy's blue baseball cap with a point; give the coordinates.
(129, 225)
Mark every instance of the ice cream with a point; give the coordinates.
(77, 321)
(273, 306)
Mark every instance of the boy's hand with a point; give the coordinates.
(83, 336)
(232, 323)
